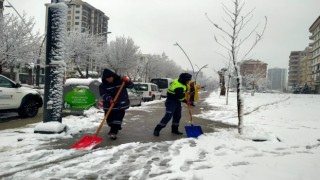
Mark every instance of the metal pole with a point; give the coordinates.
(199, 71)
(176, 44)
(54, 64)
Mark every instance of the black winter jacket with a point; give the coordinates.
(108, 91)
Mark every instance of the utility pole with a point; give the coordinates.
(54, 69)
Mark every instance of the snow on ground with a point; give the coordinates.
(288, 122)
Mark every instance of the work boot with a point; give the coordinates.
(112, 136)
(174, 130)
(157, 130)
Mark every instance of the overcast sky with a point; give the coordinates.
(155, 25)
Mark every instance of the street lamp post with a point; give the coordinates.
(176, 44)
(205, 66)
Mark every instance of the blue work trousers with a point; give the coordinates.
(173, 110)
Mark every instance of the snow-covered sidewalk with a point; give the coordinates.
(289, 122)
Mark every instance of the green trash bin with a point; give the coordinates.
(80, 95)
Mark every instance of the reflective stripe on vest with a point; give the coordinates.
(174, 85)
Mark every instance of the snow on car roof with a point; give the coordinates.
(76, 81)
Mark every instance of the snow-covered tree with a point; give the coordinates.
(237, 42)
(81, 46)
(18, 43)
(122, 56)
(155, 66)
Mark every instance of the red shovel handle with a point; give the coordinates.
(110, 108)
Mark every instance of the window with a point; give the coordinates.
(76, 23)
(141, 87)
(5, 83)
(77, 12)
(77, 17)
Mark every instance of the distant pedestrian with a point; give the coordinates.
(175, 95)
(111, 83)
(192, 92)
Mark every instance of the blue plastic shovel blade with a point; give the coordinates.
(193, 131)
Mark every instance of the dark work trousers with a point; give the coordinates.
(173, 110)
(192, 93)
(115, 119)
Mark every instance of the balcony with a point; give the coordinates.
(317, 79)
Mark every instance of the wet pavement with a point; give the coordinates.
(138, 126)
(12, 120)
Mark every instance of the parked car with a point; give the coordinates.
(134, 97)
(15, 98)
(149, 91)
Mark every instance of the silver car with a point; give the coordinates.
(134, 97)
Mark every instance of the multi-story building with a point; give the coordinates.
(294, 74)
(315, 59)
(306, 69)
(277, 78)
(84, 17)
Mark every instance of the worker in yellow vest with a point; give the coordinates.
(192, 92)
(175, 95)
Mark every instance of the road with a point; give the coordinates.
(12, 120)
(137, 126)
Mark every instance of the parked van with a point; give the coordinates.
(149, 91)
(163, 84)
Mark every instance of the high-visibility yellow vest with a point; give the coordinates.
(196, 90)
(176, 84)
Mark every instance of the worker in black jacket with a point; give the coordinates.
(111, 83)
(175, 95)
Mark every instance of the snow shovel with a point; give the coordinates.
(193, 131)
(89, 142)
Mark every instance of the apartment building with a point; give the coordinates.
(277, 78)
(306, 68)
(295, 64)
(84, 17)
(315, 51)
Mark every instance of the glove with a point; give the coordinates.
(126, 79)
(188, 103)
(111, 101)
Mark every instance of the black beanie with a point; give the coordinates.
(184, 78)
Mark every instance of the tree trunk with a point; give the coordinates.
(222, 83)
(79, 71)
(30, 78)
(12, 76)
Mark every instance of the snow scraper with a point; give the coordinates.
(89, 142)
(193, 131)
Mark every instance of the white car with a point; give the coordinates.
(13, 97)
(149, 91)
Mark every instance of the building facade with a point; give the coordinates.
(315, 51)
(277, 78)
(295, 64)
(84, 17)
